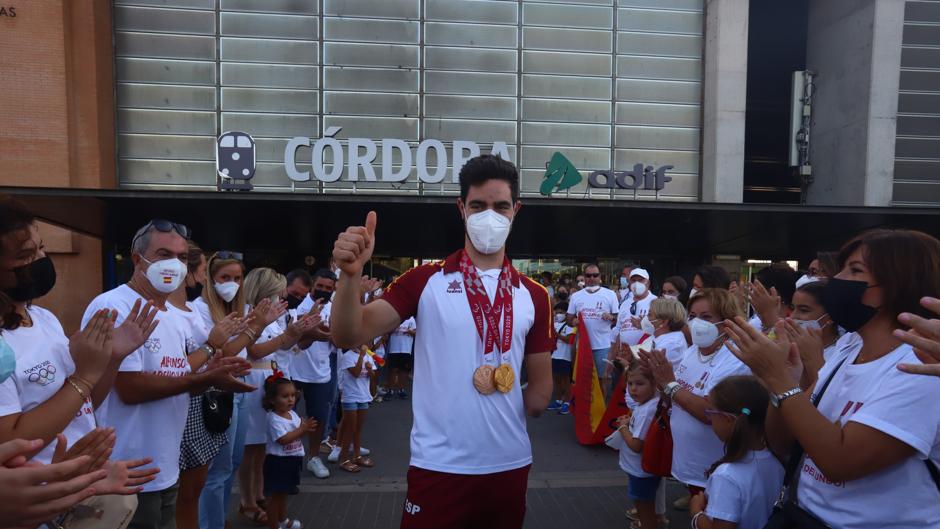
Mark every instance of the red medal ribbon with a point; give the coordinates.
(481, 308)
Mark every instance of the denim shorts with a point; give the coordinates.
(643, 489)
(353, 406)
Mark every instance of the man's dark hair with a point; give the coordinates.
(302, 275)
(781, 277)
(324, 272)
(485, 167)
(561, 305)
(714, 276)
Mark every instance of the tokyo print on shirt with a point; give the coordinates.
(155, 428)
(43, 362)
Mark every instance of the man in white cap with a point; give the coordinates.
(629, 328)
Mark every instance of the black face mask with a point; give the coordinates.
(33, 281)
(193, 293)
(293, 301)
(562, 295)
(318, 295)
(843, 302)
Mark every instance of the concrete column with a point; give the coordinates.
(724, 100)
(854, 46)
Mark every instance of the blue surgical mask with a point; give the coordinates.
(7, 360)
(624, 283)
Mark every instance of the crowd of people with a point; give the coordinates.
(190, 376)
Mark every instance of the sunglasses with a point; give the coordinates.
(164, 226)
(592, 275)
(225, 254)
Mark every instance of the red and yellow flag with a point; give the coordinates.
(593, 418)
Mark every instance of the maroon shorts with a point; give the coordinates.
(437, 500)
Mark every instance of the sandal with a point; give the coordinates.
(350, 466)
(364, 462)
(253, 514)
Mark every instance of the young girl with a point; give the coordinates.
(284, 449)
(359, 368)
(743, 485)
(561, 360)
(643, 486)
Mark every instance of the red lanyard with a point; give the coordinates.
(481, 307)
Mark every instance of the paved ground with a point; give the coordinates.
(570, 486)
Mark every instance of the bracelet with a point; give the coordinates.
(251, 334)
(695, 519)
(78, 388)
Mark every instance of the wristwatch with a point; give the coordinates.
(671, 389)
(777, 398)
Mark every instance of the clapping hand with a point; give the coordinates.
(92, 346)
(134, 330)
(656, 361)
(764, 302)
(809, 343)
(33, 494)
(303, 325)
(221, 374)
(309, 425)
(776, 362)
(267, 311)
(230, 325)
(96, 445)
(126, 477)
(924, 336)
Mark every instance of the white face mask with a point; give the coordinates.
(810, 324)
(580, 284)
(647, 325)
(704, 333)
(805, 280)
(670, 296)
(693, 292)
(166, 275)
(638, 288)
(488, 231)
(559, 318)
(227, 290)
(593, 289)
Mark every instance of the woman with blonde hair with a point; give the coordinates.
(264, 285)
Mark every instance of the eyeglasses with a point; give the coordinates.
(592, 275)
(711, 412)
(164, 226)
(225, 254)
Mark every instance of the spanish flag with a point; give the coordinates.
(593, 418)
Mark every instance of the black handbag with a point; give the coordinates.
(217, 406)
(787, 514)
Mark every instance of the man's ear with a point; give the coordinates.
(516, 208)
(460, 209)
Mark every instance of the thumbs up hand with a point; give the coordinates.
(354, 247)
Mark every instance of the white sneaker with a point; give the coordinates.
(316, 466)
(293, 524)
(334, 454)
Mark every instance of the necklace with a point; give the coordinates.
(707, 359)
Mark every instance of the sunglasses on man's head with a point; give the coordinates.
(164, 226)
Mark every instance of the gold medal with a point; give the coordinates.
(504, 377)
(483, 380)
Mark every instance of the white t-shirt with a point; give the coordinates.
(695, 445)
(674, 344)
(355, 389)
(313, 363)
(151, 429)
(456, 429)
(744, 492)
(624, 295)
(632, 462)
(399, 342)
(563, 349)
(196, 333)
(878, 395)
(630, 335)
(43, 362)
(279, 427)
(592, 307)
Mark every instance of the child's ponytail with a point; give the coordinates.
(747, 398)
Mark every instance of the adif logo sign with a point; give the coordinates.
(358, 155)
